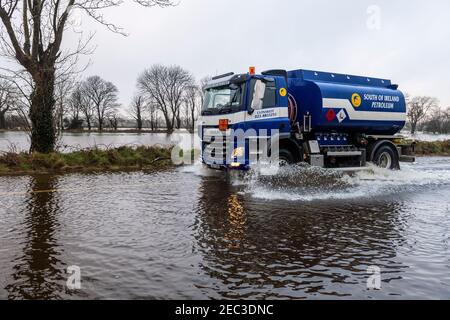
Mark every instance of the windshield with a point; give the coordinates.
(225, 99)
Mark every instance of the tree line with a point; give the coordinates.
(166, 98)
(426, 114)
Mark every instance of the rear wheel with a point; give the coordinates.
(387, 158)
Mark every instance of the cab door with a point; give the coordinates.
(267, 114)
(271, 112)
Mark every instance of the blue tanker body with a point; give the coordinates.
(347, 104)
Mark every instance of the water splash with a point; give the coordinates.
(198, 169)
(305, 183)
(299, 182)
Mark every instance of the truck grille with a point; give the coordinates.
(217, 147)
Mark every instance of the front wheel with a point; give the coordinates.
(285, 158)
(387, 158)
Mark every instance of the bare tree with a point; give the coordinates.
(438, 121)
(446, 121)
(137, 110)
(13, 121)
(418, 108)
(203, 82)
(153, 113)
(103, 95)
(191, 102)
(32, 35)
(8, 97)
(165, 86)
(63, 88)
(21, 109)
(22, 84)
(434, 120)
(79, 105)
(113, 121)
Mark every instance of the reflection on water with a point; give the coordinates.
(191, 233)
(37, 269)
(271, 250)
(237, 220)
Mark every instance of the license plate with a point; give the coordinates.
(215, 166)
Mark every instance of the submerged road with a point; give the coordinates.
(193, 233)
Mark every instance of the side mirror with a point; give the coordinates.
(234, 86)
(258, 95)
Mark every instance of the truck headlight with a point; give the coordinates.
(238, 152)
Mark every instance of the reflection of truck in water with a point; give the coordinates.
(328, 120)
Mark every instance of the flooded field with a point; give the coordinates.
(71, 141)
(193, 233)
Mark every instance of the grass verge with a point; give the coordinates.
(129, 158)
(87, 160)
(433, 148)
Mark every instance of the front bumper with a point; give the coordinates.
(228, 167)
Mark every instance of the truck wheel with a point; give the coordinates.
(285, 158)
(387, 158)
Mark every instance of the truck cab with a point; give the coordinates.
(328, 120)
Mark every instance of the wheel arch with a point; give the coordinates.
(291, 145)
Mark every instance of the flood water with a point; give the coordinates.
(19, 141)
(193, 233)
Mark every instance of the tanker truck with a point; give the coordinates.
(328, 120)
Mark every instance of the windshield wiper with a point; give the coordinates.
(204, 112)
(225, 109)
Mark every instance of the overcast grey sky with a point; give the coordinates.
(411, 45)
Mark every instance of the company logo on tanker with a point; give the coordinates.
(382, 101)
(356, 100)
